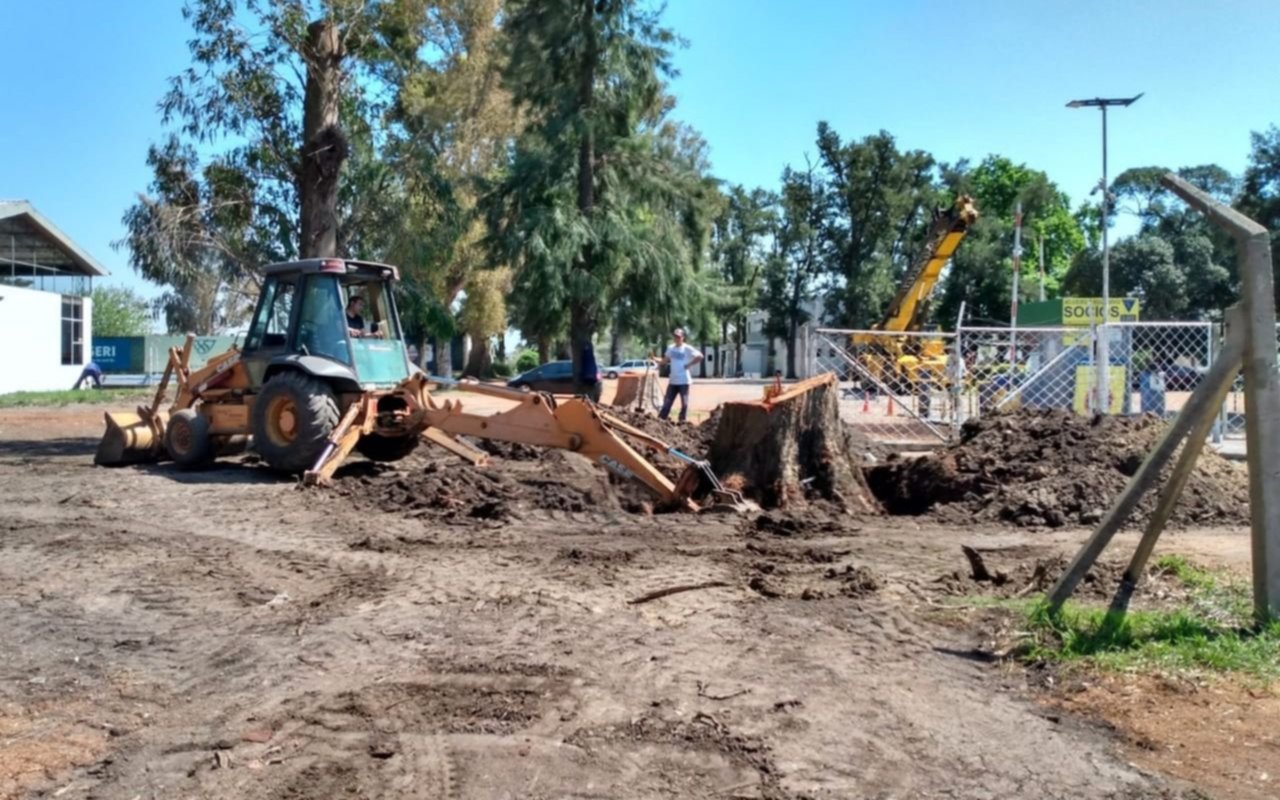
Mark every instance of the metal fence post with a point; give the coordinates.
(1261, 387)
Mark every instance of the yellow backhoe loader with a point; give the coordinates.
(310, 384)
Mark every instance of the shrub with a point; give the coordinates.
(526, 360)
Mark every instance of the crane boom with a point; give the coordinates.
(945, 234)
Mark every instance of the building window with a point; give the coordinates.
(72, 330)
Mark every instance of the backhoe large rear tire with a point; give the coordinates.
(387, 448)
(293, 416)
(187, 439)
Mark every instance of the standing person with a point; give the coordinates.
(682, 358)
(590, 377)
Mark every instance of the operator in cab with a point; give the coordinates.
(355, 318)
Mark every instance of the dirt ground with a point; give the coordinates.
(227, 635)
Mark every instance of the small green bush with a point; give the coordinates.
(502, 369)
(526, 360)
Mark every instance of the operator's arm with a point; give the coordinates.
(697, 358)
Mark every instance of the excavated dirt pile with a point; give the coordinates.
(794, 454)
(1050, 468)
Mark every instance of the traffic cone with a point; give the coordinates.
(866, 402)
(889, 412)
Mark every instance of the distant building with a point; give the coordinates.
(46, 315)
(761, 356)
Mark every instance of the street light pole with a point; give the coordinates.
(1104, 357)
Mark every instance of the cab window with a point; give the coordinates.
(270, 326)
(322, 325)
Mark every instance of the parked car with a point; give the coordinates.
(554, 376)
(634, 366)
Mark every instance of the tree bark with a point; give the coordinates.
(792, 453)
(444, 356)
(324, 145)
(791, 349)
(544, 350)
(480, 359)
(582, 313)
(615, 348)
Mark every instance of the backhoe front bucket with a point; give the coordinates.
(131, 439)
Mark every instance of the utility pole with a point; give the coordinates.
(1042, 272)
(1103, 334)
(1017, 272)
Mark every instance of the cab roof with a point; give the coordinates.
(351, 266)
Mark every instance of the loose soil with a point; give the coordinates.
(1050, 468)
(426, 629)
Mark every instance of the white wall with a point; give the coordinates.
(31, 341)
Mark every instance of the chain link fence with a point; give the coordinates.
(916, 389)
(1232, 422)
(894, 387)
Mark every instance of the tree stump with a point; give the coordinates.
(791, 450)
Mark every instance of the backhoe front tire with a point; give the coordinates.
(293, 417)
(387, 448)
(187, 440)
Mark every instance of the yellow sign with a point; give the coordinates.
(1087, 310)
(1086, 376)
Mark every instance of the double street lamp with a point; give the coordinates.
(1103, 356)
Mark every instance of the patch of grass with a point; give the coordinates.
(1215, 633)
(68, 396)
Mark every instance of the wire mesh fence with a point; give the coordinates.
(894, 387)
(918, 388)
(1232, 421)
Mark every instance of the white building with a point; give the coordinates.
(46, 315)
(762, 356)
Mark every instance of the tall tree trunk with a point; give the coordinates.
(739, 335)
(702, 365)
(444, 356)
(721, 372)
(324, 145)
(582, 311)
(544, 349)
(501, 348)
(791, 349)
(615, 347)
(480, 359)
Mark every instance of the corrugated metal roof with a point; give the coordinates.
(28, 237)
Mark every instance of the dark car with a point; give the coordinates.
(554, 376)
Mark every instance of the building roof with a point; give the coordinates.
(29, 238)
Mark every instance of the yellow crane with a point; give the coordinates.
(910, 359)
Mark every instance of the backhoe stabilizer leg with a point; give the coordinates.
(475, 455)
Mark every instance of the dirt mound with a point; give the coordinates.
(687, 438)
(453, 490)
(1050, 468)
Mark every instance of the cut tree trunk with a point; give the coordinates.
(479, 360)
(792, 450)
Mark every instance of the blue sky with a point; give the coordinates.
(952, 78)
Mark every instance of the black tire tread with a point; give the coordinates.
(202, 451)
(318, 416)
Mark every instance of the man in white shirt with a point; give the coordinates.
(682, 358)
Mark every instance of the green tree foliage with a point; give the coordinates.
(981, 272)
(792, 270)
(592, 200)
(451, 129)
(740, 238)
(881, 199)
(1178, 264)
(206, 225)
(1260, 192)
(120, 311)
